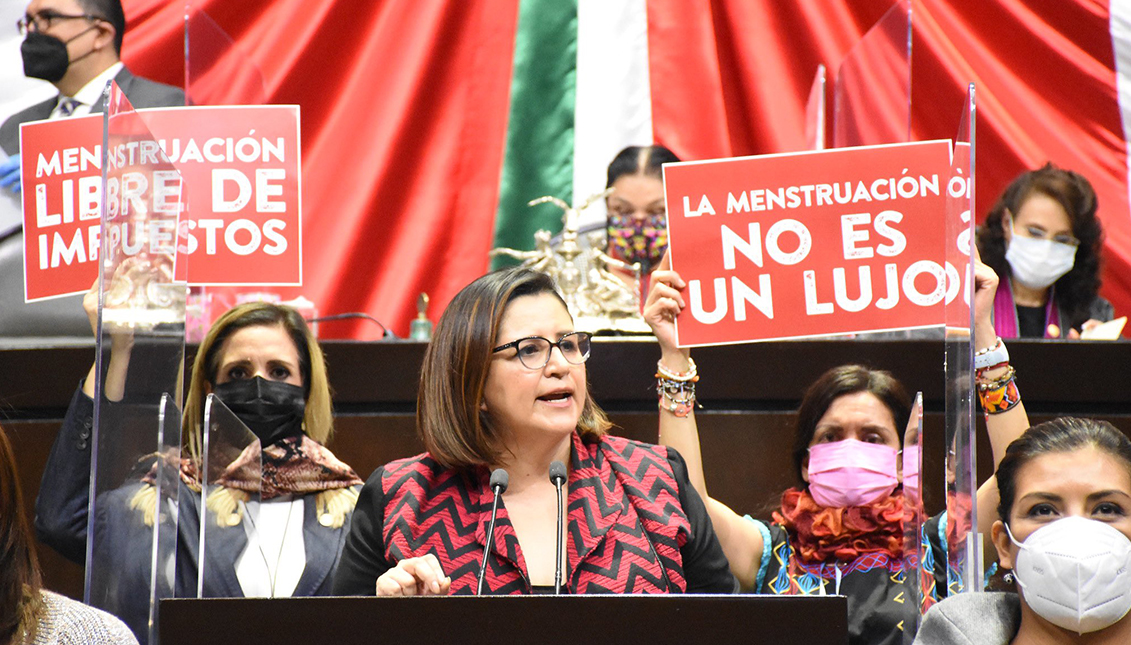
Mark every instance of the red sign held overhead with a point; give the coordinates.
(239, 191)
(811, 244)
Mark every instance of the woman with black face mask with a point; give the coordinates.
(283, 525)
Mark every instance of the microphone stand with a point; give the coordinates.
(499, 481)
(558, 477)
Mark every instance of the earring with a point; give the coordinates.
(1008, 577)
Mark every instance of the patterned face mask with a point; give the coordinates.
(638, 240)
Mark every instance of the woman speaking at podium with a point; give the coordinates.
(503, 389)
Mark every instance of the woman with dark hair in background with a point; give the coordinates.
(637, 224)
(504, 386)
(1064, 534)
(841, 531)
(1044, 241)
(30, 615)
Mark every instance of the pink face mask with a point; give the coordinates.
(851, 472)
(911, 470)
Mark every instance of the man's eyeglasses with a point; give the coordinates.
(43, 20)
(534, 351)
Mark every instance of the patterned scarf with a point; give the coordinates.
(820, 534)
(293, 466)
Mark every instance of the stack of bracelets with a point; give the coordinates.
(998, 394)
(676, 390)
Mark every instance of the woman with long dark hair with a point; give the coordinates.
(1043, 240)
(29, 614)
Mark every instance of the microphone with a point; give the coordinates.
(558, 479)
(499, 481)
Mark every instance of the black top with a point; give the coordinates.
(1031, 322)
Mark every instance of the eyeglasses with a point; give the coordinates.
(1038, 233)
(41, 21)
(534, 351)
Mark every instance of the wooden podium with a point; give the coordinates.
(501, 620)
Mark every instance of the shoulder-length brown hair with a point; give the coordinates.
(20, 600)
(449, 417)
(318, 423)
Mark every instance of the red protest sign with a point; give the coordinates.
(811, 244)
(61, 170)
(240, 179)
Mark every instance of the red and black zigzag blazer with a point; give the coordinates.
(635, 525)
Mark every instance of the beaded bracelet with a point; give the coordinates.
(662, 371)
(1000, 394)
(991, 356)
(980, 372)
(1002, 399)
(997, 383)
(676, 389)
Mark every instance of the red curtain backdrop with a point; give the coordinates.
(404, 111)
(731, 78)
(404, 108)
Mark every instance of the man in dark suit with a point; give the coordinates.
(75, 45)
(90, 32)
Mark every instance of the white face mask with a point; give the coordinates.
(1075, 573)
(1038, 263)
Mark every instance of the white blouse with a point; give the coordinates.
(275, 557)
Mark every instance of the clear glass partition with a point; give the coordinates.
(136, 438)
(232, 464)
(815, 112)
(914, 555)
(218, 71)
(872, 102)
(963, 538)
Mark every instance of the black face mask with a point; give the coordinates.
(46, 56)
(271, 409)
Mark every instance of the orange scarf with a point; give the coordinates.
(821, 534)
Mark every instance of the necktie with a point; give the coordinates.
(67, 106)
